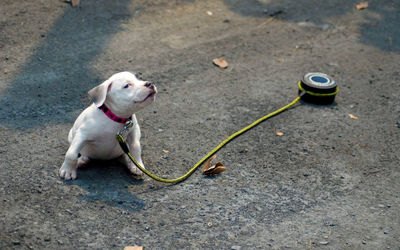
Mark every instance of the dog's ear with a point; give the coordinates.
(99, 93)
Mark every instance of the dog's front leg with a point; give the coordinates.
(133, 140)
(68, 168)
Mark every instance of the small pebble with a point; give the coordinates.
(245, 150)
(323, 243)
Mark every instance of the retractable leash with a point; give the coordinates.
(317, 88)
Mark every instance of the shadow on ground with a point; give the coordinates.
(108, 182)
(380, 29)
(54, 81)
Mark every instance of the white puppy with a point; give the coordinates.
(93, 135)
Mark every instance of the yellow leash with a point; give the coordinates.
(125, 148)
(317, 94)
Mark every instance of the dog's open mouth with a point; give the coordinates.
(150, 95)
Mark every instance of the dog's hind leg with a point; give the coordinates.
(82, 161)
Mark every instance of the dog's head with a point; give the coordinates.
(124, 93)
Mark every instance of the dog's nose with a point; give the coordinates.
(149, 85)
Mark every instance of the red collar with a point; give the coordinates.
(113, 116)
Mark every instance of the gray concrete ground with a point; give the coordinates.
(330, 182)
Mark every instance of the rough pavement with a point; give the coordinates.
(329, 182)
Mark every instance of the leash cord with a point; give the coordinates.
(125, 147)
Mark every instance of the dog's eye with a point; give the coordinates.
(126, 86)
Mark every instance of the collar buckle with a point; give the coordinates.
(128, 125)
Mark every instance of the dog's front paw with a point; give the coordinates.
(135, 170)
(67, 172)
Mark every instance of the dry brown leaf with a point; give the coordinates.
(353, 116)
(266, 22)
(362, 5)
(133, 248)
(214, 169)
(207, 163)
(75, 2)
(165, 151)
(278, 133)
(220, 62)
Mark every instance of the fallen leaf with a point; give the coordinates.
(75, 3)
(362, 5)
(266, 22)
(207, 163)
(165, 151)
(280, 60)
(353, 116)
(214, 169)
(133, 248)
(220, 62)
(374, 172)
(278, 133)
